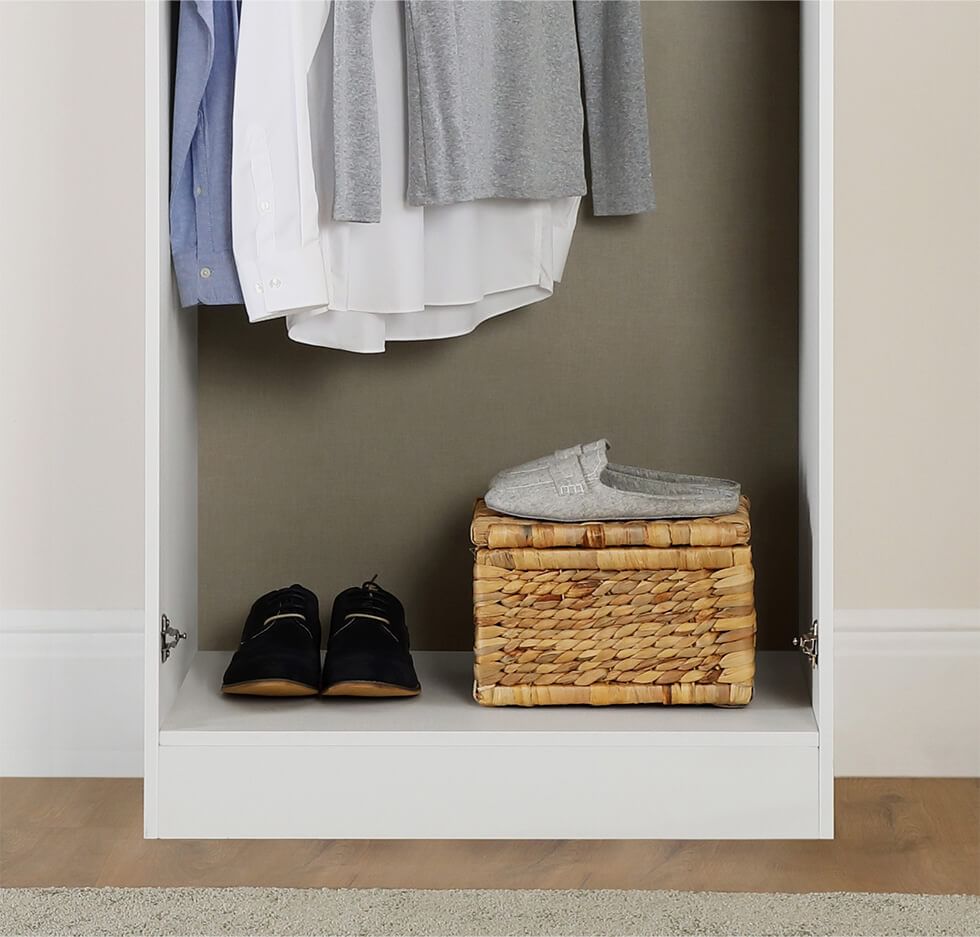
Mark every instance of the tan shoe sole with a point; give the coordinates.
(269, 688)
(367, 688)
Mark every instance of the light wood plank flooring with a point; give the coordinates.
(901, 835)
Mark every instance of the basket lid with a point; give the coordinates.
(497, 531)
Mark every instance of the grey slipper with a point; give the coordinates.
(583, 487)
(675, 482)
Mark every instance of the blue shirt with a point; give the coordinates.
(200, 163)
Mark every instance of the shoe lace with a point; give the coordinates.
(374, 608)
(286, 605)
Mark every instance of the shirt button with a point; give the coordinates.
(258, 287)
(198, 190)
(275, 283)
(205, 273)
(265, 207)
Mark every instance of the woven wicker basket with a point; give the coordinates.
(619, 612)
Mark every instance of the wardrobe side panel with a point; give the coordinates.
(171, 421)
(816, 374)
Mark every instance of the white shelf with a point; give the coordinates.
(445, 714)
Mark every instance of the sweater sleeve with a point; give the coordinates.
(357, 141)
(610, 40)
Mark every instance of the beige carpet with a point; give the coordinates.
(379, 913)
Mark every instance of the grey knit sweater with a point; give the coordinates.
(495, 104)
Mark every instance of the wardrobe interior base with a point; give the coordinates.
(779, 714)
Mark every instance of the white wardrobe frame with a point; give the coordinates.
(761, 772)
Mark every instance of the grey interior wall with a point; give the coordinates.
(674, 334)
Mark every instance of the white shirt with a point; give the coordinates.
(275, 227)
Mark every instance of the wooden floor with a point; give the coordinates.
(893, 835)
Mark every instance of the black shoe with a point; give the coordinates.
(368, 651)
(280, 650)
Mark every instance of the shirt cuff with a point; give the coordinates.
(208, 279)
(629, 201)
(284, 281)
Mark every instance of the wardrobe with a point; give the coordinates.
(698, 338)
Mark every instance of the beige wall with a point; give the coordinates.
(907, 257)
(908, 252)
(71, 307)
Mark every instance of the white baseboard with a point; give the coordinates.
(71, 693)
(907, 701)
(907, 693)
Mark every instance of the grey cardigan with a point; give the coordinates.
(495, 104)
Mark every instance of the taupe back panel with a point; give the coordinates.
(674, 334)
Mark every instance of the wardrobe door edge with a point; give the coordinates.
(816, 374)
(170, 388)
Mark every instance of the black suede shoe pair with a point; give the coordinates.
(367, 648)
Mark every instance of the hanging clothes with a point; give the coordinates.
(495, 95)
(200, 164)
(422, 272)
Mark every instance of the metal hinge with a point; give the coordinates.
(808, 644)
(170, 637)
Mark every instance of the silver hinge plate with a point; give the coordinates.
(170, 637)
(808, 644)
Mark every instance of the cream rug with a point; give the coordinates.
(380, 913)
